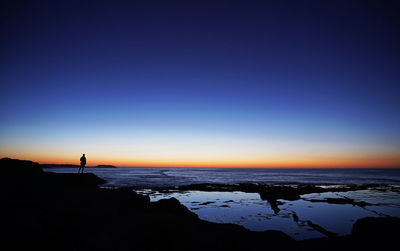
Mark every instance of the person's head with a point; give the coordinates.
(83, 155)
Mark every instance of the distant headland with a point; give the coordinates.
(73, 166)
(105, 166)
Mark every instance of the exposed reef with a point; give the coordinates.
(341, 201)
(273, 193)
(321, 229)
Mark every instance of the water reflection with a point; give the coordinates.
(248, 210)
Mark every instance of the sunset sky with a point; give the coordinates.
(201, 84)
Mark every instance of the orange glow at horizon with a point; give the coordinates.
(390, 161)
(209, 153)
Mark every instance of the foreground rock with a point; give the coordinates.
(48, 211)
(368, 234)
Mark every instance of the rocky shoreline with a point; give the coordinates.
(272, 193)
(51, 211)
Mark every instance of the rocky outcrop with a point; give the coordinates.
(59, 166)
(373, 233)
(70, 212)
(48, 211)
(14, 167)
(22, 174)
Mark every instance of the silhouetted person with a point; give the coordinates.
(83, 163)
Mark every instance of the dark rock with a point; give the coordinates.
(375, 233)
(206, 203)
(16, 166)
(106, 166)
(295, 217)
(127, 199)
(73, 179)
(274, 205)
(321, 229)
(23, 174)
(59, 166)
(267, 192)
(173, 205)
(368, 234)
(49, 211)
(342, 201)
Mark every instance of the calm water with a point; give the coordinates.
(159, 177)
(248, 210)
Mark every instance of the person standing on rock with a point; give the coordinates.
(83, 163)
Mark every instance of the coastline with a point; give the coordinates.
(71, 212)
(301, 211)
(73, 166)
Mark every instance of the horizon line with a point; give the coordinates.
(234, 167)
(300, 164)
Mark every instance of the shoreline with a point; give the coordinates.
(70, 211)
(279, 203)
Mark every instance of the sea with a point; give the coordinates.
(253, 213)
(161, 177)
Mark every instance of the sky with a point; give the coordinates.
(201, 83)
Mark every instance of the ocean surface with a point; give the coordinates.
(161, 177)
(250, 211)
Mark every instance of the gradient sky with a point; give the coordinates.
(197, 83)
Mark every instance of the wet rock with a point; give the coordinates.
(207, 203)
(295, 217)
(342, 201)
(173, 205)
(274, 205)
(321, 229)
(271, 193)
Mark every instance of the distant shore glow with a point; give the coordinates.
(192, 157)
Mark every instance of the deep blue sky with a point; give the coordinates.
(160, 79)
